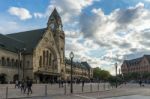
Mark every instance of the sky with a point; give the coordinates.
(101, 32)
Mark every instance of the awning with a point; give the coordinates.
(47, 73)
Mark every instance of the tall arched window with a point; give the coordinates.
(44, 58)
(47, 57)
(8, 62)
(3, 61)
(12, 62)
(50, 59)
(16, 63)
(40, 61)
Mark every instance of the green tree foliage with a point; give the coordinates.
(100, 74)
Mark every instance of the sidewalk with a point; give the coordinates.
(41, 90)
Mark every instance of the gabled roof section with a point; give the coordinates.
(133, 61)
(83, 65)
(11, 44)
(147, 57)
(30, 38)
(86, 65)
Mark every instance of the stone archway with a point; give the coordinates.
(56, 59)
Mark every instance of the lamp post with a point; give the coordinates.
(116, 67)
(71, 57)
(20, 51)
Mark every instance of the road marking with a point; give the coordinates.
(85, 97)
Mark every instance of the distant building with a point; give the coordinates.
(38, 54)
(80, 70)
(138, 65)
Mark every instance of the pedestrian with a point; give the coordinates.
(62, 83)
(22, 85)
(140, 82)
(16, 84)
(29, 86)
(25, 86)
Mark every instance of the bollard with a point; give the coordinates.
(82, 87)
(91, 87)
(65, 89)
(108, 86)
(104, 86)
(98, 87)
(45, 90)
(7, 92)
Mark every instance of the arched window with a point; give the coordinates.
(16, 63)
(44, 58)
(40, 61)
(3, 61)
(50, 59)
(8, 62)
(12, 62)
(28, 63)
(47, 57)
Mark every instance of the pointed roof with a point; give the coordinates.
(55, 17)
(55, 12)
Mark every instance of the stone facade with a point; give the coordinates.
(139, 65)
(37, 54)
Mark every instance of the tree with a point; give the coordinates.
(99, 74)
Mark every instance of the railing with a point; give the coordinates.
(9, 91)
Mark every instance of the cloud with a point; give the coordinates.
(68, 9)
(22, 13)
(105, 29)
(123, 32)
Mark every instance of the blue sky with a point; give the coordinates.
(101, 32)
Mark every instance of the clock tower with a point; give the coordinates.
(56, 27)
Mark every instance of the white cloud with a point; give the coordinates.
(22, 13)
(120, 32)
(68, 9)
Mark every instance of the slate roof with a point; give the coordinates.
(137, 60)
(29, 38)
(10, 44)
(84, 65)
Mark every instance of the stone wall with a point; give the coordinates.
(9, 70)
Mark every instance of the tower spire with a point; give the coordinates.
(55, 18)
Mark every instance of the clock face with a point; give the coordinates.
(52, 26)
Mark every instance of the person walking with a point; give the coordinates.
(16, 84)
(29, 86)
(140, 83)
(22, 85)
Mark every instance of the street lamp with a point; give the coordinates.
(116, 67)
(20, 51)
(71, 57)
